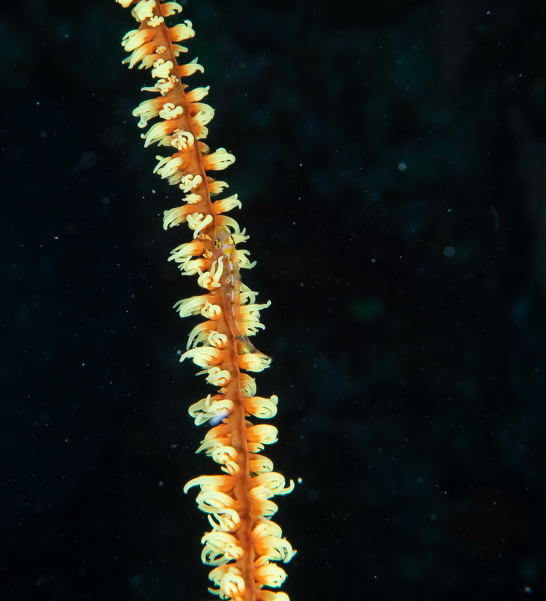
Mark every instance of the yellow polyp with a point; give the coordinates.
(139, 54)
(265, 528)
(170, 8)
(203, 117)
(264, 508)
(229, 581)
(193, 198)
(248, 385)
(177, 49)
(182, 140)
(136, 38)
(270, 575)
(182, 32)
(268, 485)
(190, 182)
(198, 94)
(168, 165)
(273, 548)
(215, 186)
(225, 523)
(206, 281)
(170, 111)
(212, 483)
(261, 408)
(157, 132)
(188, 249)
(253, 362)
(217, 503)
(148, 110)
(218, 377)
(162, 68)
(228, 222)
(200, 334)
(260, 464)
(211, 311)
(221, 159)
(163, 86)
(191, 306)
(149, 61)
(174, 217)
(218, 550)
(263, 433)
(143, 10)
(193, 267)
(155, 21)
(227, 204)
(190, 68)
(199, 222)
(204, 356)
(217, 340)
(202, 414)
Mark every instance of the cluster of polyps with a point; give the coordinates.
(243, 541)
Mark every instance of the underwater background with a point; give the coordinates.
(391, 161)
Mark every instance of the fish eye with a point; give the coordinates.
(216, 243)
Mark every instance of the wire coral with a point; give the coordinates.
(244, 543)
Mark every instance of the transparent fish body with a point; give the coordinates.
(231, 285)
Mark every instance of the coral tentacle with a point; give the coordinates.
(243, 543)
